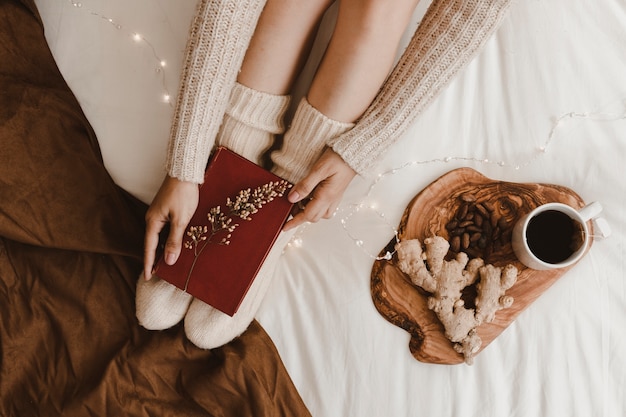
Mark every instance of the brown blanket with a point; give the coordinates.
(70, 247)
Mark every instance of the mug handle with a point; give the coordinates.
(603, 230)
(590, 211)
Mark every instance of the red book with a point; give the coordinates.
(241, 211)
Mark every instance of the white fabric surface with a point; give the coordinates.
(564, 356)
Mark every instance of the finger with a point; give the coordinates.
(305, 186)
(314, 211)
(311, 213)
(331, 211)
(294, 222)
(174, 241)
(151, 241)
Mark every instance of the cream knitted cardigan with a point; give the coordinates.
(219, 37)
(448, 37)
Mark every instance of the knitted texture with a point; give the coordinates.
(159, 304)
(449, 36)
(208, 328)
(252, 120)
(218, 39)
(305, 141)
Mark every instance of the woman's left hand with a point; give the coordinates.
(323, 186)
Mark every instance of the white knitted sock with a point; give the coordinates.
(304, 141)
(208, 328)
(159, 304)
(251, 121)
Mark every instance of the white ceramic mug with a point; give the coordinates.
(553, 235)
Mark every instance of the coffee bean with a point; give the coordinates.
(476, 228)
(452, 225)
(462, 211)
(465, 240)
(458, 231)
(455, 244)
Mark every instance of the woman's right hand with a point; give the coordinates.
(324, 186)
(175, 203)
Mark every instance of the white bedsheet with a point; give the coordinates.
(553, 77)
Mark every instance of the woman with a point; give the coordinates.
(242, 60)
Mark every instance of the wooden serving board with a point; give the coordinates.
(432, 212)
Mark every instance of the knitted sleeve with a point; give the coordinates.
(219, 37)
(449, 36)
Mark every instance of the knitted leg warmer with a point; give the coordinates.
(251, 121)
(304, 141)
(209, 328)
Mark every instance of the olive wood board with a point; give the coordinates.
(428, 214)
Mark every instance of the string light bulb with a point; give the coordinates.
(353, 209)
(137, 38)
(346, 213)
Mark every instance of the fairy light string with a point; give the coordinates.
(136, 37)
(349, 211)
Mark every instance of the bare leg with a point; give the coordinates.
(359, 56)
(281, 43)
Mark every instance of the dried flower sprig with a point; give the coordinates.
(243, 206)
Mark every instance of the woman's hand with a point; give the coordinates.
(324, 186)
(174, 203)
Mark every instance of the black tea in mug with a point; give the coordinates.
(553, 236)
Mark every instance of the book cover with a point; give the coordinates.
(242, 208)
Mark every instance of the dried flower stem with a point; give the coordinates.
(246, 203)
